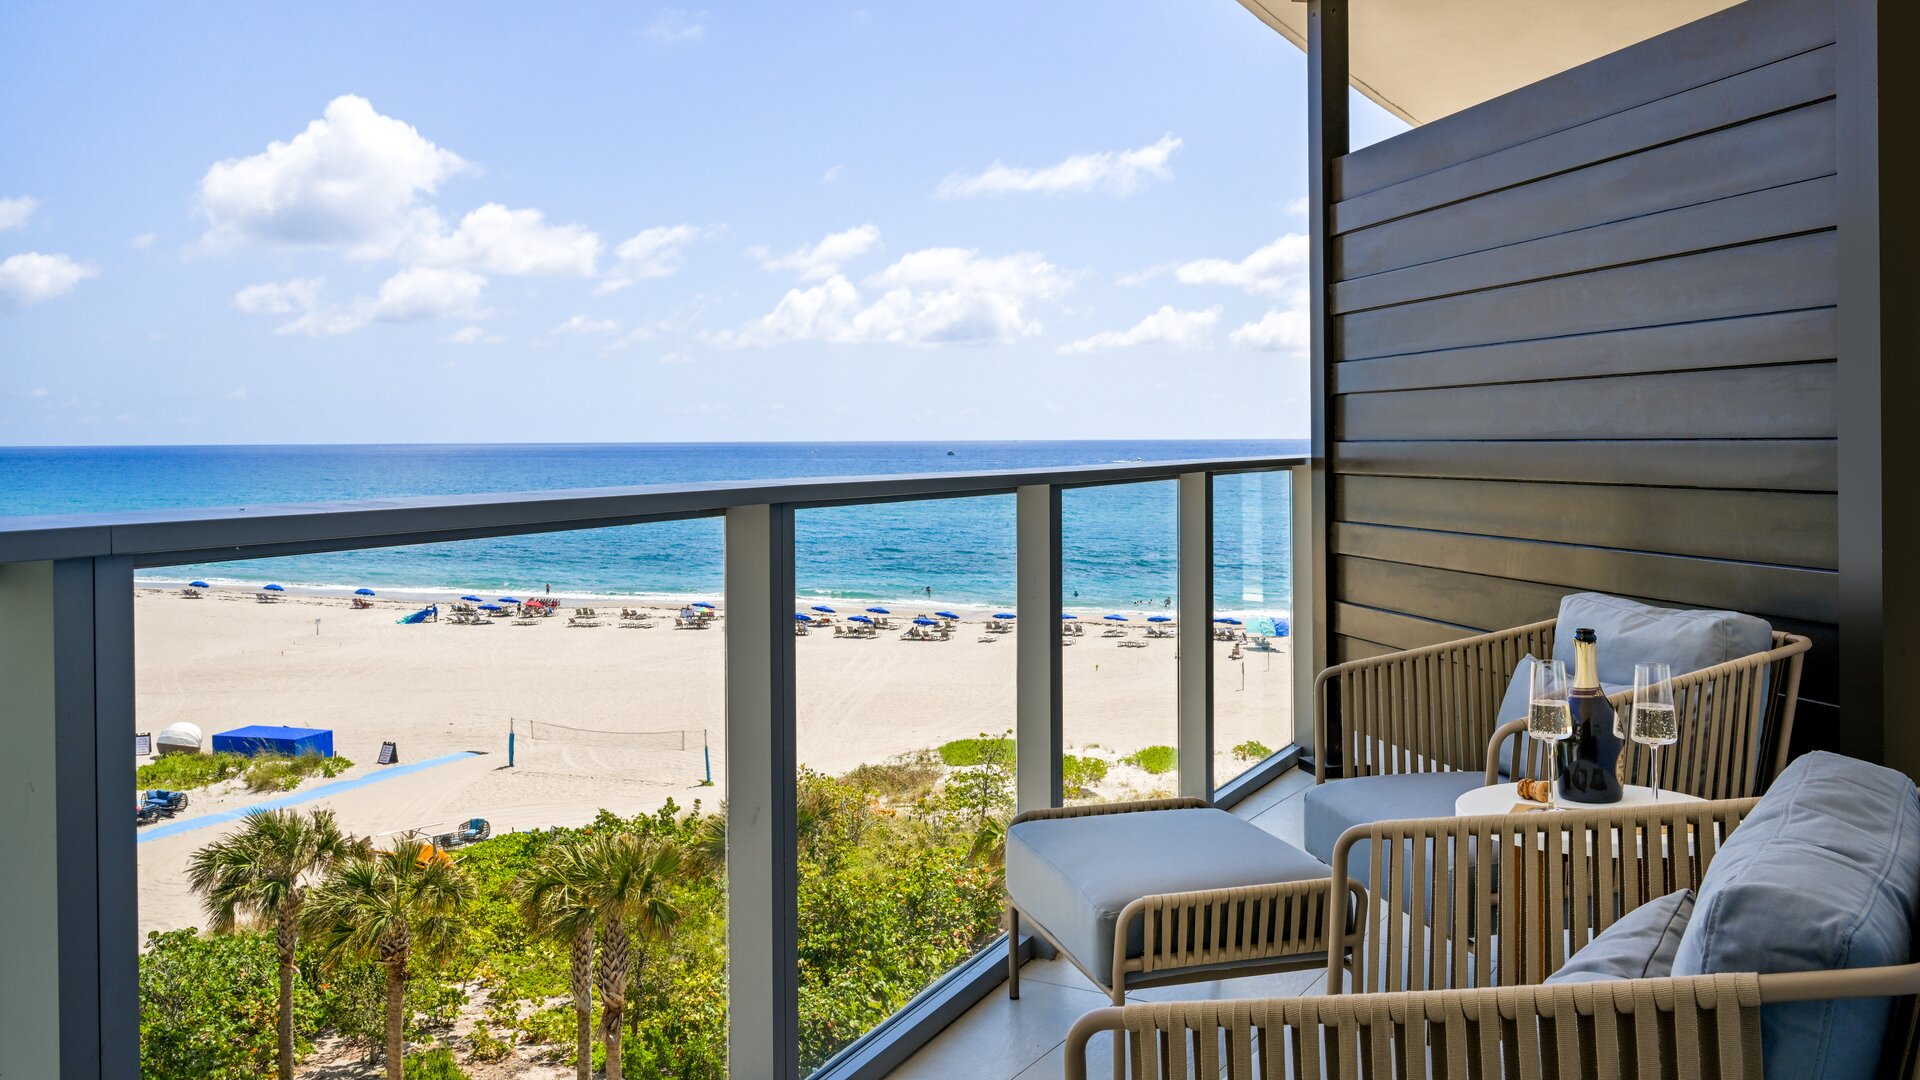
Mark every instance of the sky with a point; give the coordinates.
(616, 222)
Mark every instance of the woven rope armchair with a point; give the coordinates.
(1451, 1001)
(1437, 708)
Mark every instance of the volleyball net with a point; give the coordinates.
(669, 757)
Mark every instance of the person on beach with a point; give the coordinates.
(549, 588)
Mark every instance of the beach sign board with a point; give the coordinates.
(143, 744)
(389, 753)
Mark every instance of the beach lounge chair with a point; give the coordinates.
(446, 841)
(145, 814)
(190, 593)
(475, 830)
(361, 603)
(166, 803)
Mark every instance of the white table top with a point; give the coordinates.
(1500, 799)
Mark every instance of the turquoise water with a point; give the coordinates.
(1118, 544)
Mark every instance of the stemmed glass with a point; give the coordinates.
(1549, 718)
(1654, 725)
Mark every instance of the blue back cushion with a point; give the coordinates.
(1823, 874)
(1641, 945)
(1634, 633)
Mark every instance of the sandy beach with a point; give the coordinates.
(435, 689)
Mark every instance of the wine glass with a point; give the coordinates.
(1549, 718)
(1654, 724)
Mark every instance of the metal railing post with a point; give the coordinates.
(70, 999)
(763, 959)
(1037, 717)
(1195, 630)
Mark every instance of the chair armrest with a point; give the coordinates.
(1578, 871)
(1221, 926)
(1183, 802)
(1694, 1026)
(1424, 709)
(1512, 729)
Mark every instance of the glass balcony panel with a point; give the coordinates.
(1252, 597)
(905, 678)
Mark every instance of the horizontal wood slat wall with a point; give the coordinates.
(1583, 337)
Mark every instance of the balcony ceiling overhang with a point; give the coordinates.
(1425, 59)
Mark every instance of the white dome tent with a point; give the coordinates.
(181, 738)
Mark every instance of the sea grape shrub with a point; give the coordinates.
(1252, 750)
(1079, 774)
(1157, 760)
(963, 753)
(208, 1009)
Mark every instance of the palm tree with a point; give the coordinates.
(387, 906)
(260, 872)
(555, 902)
(631, 876)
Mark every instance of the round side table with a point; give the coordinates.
(1500, 799)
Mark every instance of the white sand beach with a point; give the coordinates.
(226, 661)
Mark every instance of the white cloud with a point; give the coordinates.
(1281, 331)
(649, 253)
(280, 297)
(1274, 270)
(675, 27)
(1297, 206)
(15, 211)
(1169, 326)
(824, 259)
(30, 277)
(834, 172)
(1120, 172)
(676, 357)
(939, 296)
(412, 295)
(504, 241)
(143, 241)
(474, 335)
(581, 324)
(352, 178)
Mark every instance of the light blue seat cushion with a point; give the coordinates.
(1074, 875)
(1338, 805)
(1823, 874)
(1641, 945)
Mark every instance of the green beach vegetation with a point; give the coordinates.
(592, 946)
(1157, 760)
(266, 772)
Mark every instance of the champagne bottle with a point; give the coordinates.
(1589, 756)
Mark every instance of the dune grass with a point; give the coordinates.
(181, 772)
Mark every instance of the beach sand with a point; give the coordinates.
(438, 688)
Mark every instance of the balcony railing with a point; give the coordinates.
(66, 661)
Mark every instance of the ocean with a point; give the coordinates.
(1118, 544)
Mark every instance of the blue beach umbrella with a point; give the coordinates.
(946, 614)
(275, 588)
(879, 611)
(1114, 618)
(1268, 626)
(703, 604)
(1069, 616)
(489, 607)
(798, 617)
(474, 599)
(924, 621)
(1003, 615)
(1229, 622)
(508, 600)
(198, 585)
(859, 618)
(1159, 618)
(823, 607)
(363, 592)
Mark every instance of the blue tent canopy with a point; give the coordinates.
(363, 592)
(273, 739)
(199, 585)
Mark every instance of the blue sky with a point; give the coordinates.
(614, 222)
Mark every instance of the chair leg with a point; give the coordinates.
(1013, 953)
(1119, 1036)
